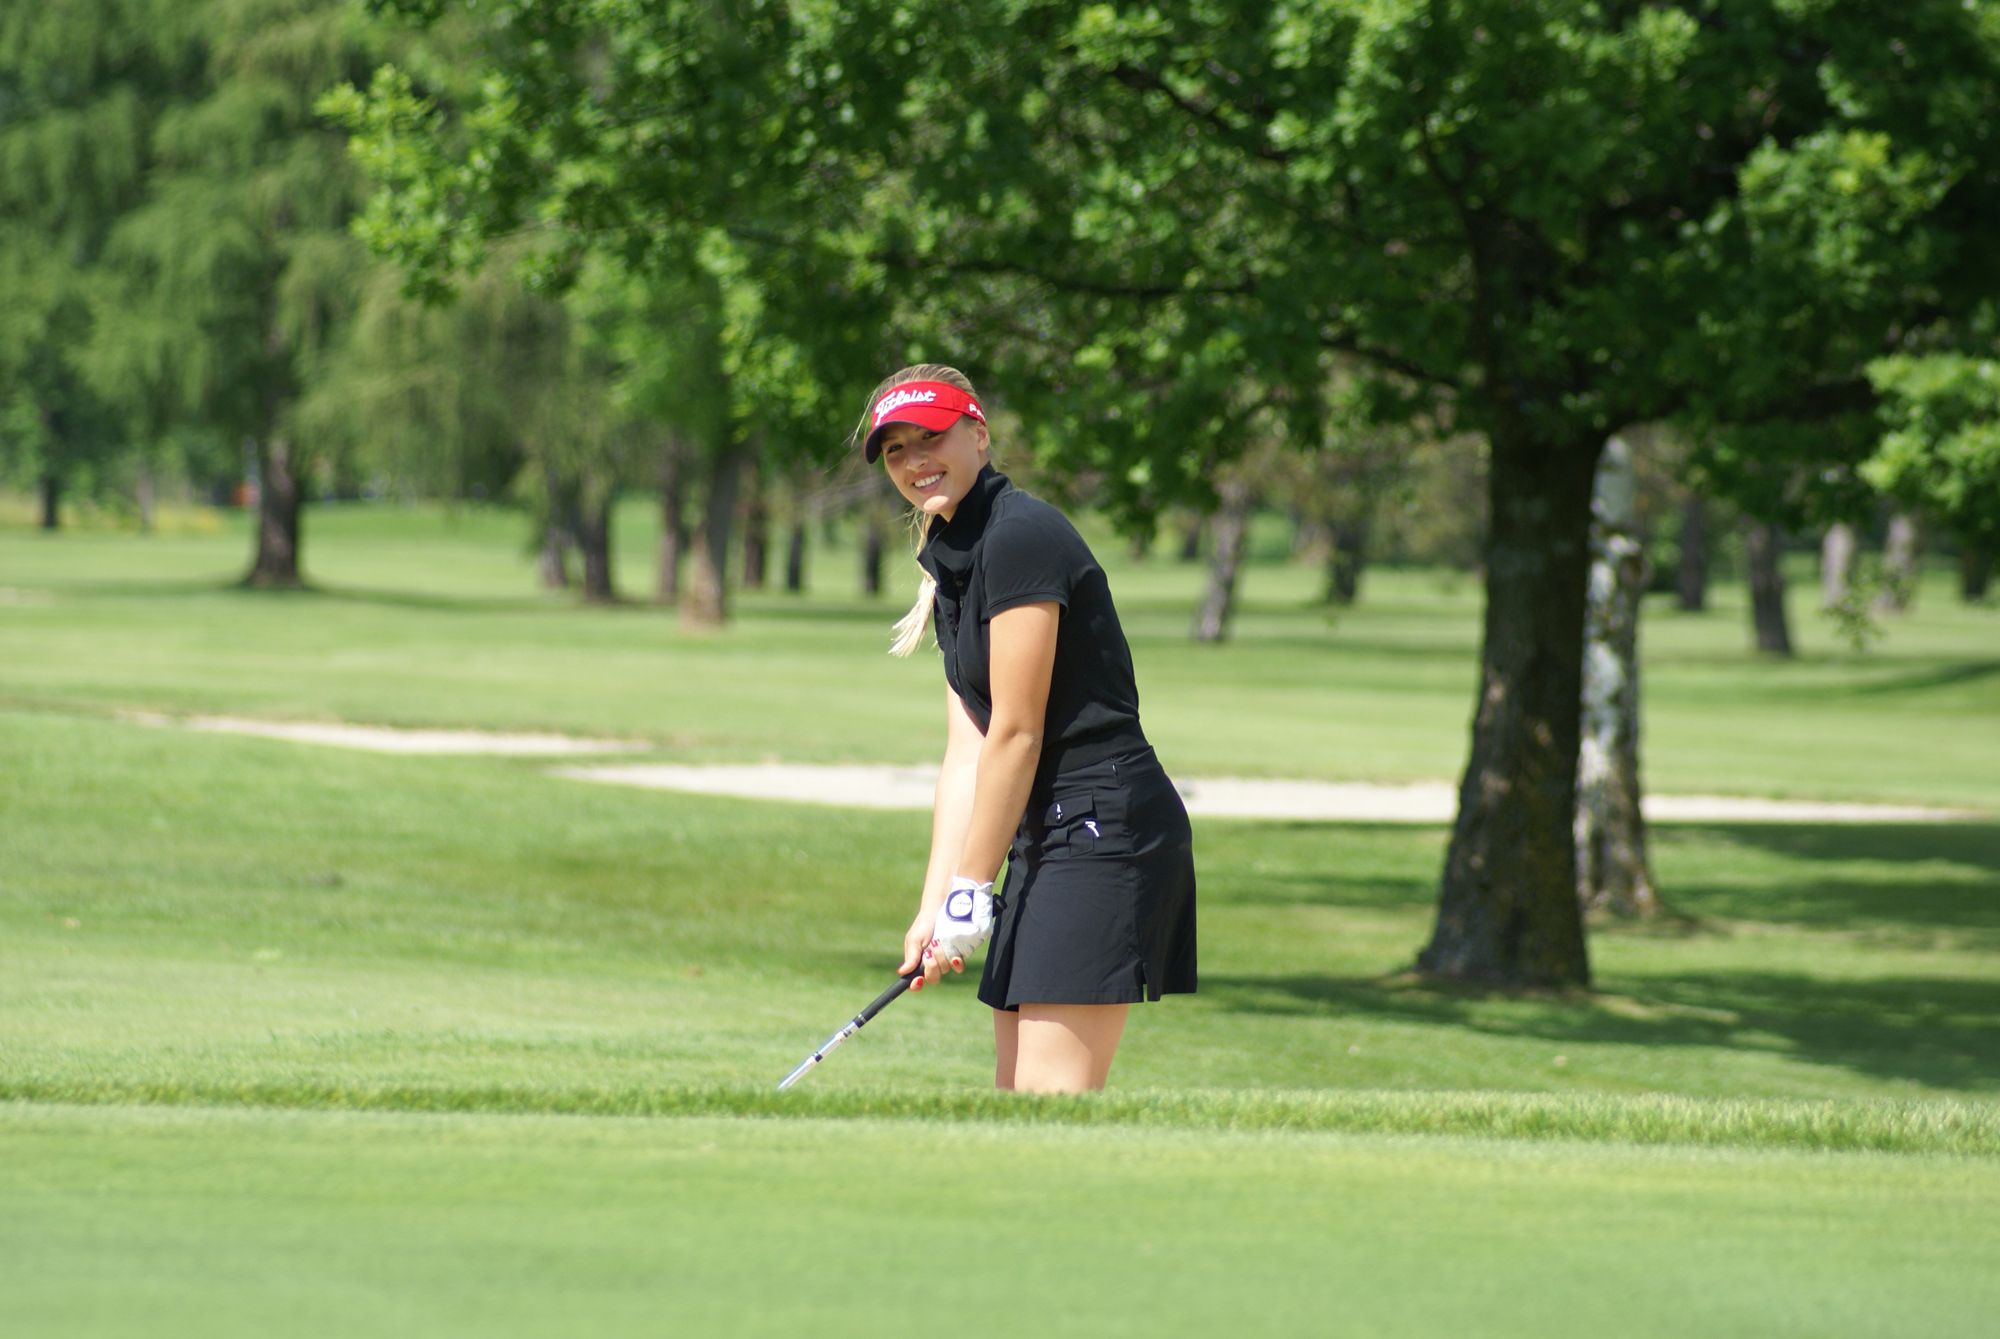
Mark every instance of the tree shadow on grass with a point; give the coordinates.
(773, 609)
(1919, 883)
(1943, 676)
(1927, 885)
(1914, 881)
(319, 592)
(431, 602)
(1359, 892)
(1941, 1032)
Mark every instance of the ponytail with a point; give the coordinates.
(910, 627)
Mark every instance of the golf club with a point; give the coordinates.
(854, 1025)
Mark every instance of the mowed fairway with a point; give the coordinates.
(309, 1041)
(251, 1223)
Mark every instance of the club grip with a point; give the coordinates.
(881, 1002)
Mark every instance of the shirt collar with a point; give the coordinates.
(949, 545)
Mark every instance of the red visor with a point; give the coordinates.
(928, 404)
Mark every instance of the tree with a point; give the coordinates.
(53, 427)
(1230, 527)
(82, 88)
(439, 400)
(1836, 565)
(1691, 570)
(1902, 563)
(1763, 556)
(236, 271)
(1534, 217)
(1612, 870)
(1941, 448)
(1532, 223)
(566, 131)
(1855, 241)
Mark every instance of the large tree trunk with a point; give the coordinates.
(1612, 873)
(1229, 525)
(1836, 565)
(705, 601)
(275, 561)
(593, 541)
(1764, 547)
(1975, 572)
(51, 491)
(674, 462)
(1902, 556)
(1691, 583)
(1507, 911)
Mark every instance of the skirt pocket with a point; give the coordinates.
(1070, 826)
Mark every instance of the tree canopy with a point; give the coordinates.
(1153, 224)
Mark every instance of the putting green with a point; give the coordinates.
(161, 1221)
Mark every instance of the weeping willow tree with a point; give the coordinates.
(83, 84)
(439, 400)
(234, 273)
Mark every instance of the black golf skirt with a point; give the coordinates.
(1098, 903)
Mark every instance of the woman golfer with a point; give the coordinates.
(1044, 762)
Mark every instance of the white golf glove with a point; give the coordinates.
(965, 921)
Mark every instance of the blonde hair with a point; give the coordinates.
(909, 630)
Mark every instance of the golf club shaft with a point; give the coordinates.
(854, 1025)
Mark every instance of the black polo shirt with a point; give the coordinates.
(1003, 548)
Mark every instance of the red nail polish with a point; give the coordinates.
(958, 964)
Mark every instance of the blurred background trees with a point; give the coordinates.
(1395, 272)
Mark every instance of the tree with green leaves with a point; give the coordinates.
(82, 89)
(236, 270)
(1941, 450)
(1154, 226)
(436, 401)
(736, 366)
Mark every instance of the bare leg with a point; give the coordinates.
(1064, 1048)
(1006, 1045)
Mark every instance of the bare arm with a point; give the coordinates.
(951, 813)
(1021, 661)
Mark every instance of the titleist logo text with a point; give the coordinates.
(897, 399)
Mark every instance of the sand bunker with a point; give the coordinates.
(866, 786)
(1212, 797)
(384, 739)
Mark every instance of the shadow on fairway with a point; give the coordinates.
(1916, 886)
(1902, 882)
(1937, 1031)
(314, 593)
(554, 602)
(805, 609)
(1925, 884)
(1947, 675)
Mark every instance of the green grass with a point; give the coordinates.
(341, 1224)
(307, 1040)
(423, 617)
(224, 910)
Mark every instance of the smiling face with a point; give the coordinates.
(934, 470)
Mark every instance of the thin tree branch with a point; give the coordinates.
(1146, 81)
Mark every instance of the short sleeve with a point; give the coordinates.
(1026, 561)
